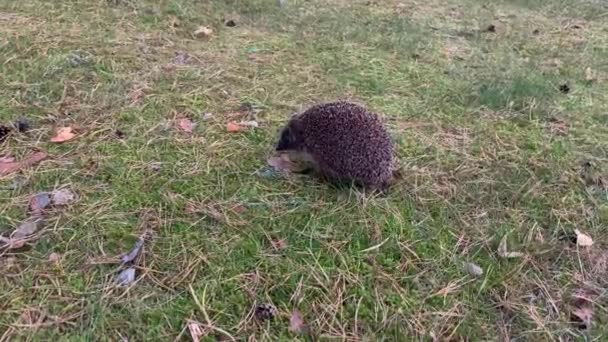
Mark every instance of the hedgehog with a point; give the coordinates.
(343, 142)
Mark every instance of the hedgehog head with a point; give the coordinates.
(291, 138)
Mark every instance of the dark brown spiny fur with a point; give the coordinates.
(345, 141)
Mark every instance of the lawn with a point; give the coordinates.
(499, 111)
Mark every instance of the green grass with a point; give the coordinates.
(473, 114)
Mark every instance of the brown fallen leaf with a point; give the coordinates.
(186, 125)
(8, 165)
(203, 32)
(62, 197)
(233, 126)
(22, 234)
(63, 134)
(297, 324)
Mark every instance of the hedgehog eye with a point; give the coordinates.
(287, 140)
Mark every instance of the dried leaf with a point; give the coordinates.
(27, 228)
(132, 255)
(590, 75)
(63, 134)
(62, 197)
(8, 165)
(297, 324)
(203, 32)
(21, 234)
(186, 125)
(503, 252)
(583, 240)
(39, 202)
(196, 331)
(473, 269)
(126, 277)
(54, 258)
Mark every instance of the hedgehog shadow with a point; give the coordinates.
(340, 185)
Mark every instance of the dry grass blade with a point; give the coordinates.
(504, 252)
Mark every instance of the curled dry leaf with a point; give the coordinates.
(22, 233)
(39, 202)
(126, 277)
(27, 228)
(63, 134)
(62, 197)
(8, 165)
(132, 255)
(186, 125)
(583, 240)
(203, 32)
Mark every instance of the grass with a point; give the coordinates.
(478, 118)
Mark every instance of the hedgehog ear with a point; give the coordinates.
(288, 140)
